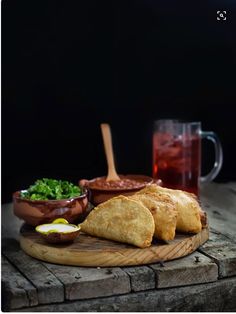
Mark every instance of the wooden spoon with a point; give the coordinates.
(107, 140)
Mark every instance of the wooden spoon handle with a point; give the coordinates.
(107, 140)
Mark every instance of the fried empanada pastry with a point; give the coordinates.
(203, 217)
(189, 210)
(163, 211)
(121, 219)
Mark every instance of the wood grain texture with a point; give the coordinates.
(219, 296)
(193, 269)
(222, 251)
(85, 283)
(17, 291)
(49, 288)
(216, 239)
(108, 253)
(219, 201)
(225, 257)
(10, 223)
(141, 278)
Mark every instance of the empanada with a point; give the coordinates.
(163, 211)
(121, 219)
(189, 219)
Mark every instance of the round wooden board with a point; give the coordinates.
(92, 251)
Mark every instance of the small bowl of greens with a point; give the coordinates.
(48, 199)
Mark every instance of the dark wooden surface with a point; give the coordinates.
(202, 281)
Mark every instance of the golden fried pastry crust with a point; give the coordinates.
(121, 219)
(189, 218)
(163, 211)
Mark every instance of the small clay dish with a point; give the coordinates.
(102, 190)
(36, 213)
(59, 231)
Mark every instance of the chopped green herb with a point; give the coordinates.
(51, 189)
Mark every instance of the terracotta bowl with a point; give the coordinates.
(100, 195)
(57, 236)
(36, 213)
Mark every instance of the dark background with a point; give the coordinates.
(67, 66)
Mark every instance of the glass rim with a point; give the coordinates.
(178, 122)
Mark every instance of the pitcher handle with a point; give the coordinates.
(218, 156)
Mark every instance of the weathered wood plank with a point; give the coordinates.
(85, 283)
(17, 291)
(231, 185)
(222, 251)
(224, 256)
(141, 278)
(49, 288)
(220, 204)
(219, 296)
(216, 239)
(193, 269)
(10, 223)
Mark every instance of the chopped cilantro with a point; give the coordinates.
(51, 189)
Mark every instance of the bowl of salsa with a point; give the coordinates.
(102, 190)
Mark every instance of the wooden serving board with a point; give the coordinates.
(92, 251)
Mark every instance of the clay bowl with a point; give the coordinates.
(54, 233)
(101, 194)
(40, 212)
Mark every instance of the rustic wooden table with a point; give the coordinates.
(202, 281)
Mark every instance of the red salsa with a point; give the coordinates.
(126, 183)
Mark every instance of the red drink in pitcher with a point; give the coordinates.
(176, 161)
(177, 154)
